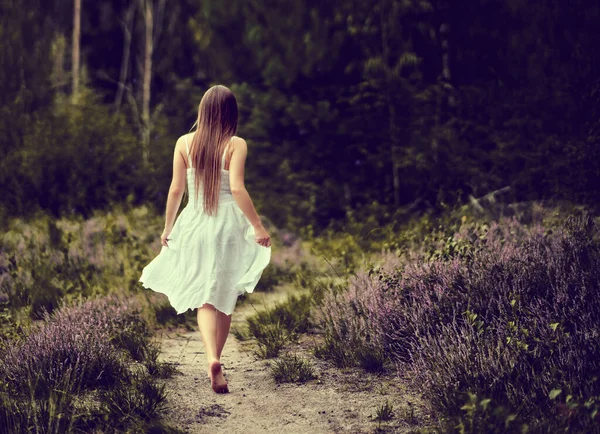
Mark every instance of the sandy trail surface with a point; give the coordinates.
(337, 401)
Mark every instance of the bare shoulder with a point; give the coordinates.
(186, 138)
(239, 144)
(181, 146)
(184, 142)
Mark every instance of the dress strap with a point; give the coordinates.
(187, 149)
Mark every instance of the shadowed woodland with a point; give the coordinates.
(371, 107)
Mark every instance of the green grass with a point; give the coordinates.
(293, 315)
(271, 338)
(274, 328)
(142, 398)
(240, 333)
(292, 369)
(384, 412)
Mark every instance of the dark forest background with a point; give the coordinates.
(377, 107)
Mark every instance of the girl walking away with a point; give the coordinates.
(217, 248)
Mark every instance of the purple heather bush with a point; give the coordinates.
(502, 311)
(352, 320)
(81, 341)
(75, 372)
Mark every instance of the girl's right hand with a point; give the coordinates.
(261, 236)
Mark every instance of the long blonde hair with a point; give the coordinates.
(216, 124)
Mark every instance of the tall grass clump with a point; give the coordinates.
(282, 323)
(502, 313)
(66, 374)
(292, 368)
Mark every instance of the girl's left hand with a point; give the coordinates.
(164, 237)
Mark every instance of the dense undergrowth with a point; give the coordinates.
(45, 262)
(76, 326)
(492, 322)
(496, 319)
(91, 366)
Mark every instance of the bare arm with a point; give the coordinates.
(175, 191)
(239, 192)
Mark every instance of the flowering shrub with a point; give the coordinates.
(503, 311)
(75, 350)
(352, 321)
(77, 341)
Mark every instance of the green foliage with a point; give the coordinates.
(483, 415)
(341, 249)
(444, 131)
(276, 326)
(378, 110)
(273, 276)
(291, 368)
(384, 412)
(579, 413)
(73, 159)
(45, 261)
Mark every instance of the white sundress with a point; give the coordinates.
(209, 259)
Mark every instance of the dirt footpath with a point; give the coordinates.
(338, 401)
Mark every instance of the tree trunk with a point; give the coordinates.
(127, 36)
(149, 46)
(443, 85)
(59, 79)
(446, 76)
(393, 139)
(75, 51)
(392, 127)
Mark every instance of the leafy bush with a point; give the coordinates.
(51, 171)
(500, 310)
(483, 416)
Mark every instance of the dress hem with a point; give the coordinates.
(243, 287)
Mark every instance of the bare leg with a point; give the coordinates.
(223, 325)
(208, 324)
